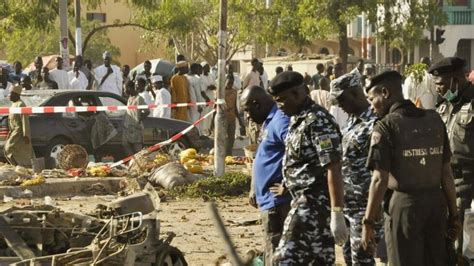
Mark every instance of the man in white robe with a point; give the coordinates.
(162, 96)
(108, 77)
(59, 75)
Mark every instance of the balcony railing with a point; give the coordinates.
(458, 15)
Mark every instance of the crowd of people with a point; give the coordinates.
(358, 159)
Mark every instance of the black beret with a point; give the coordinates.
(285, 80)
(384, 78)
(447, 65)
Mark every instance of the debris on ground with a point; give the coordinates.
(230, 184)
(171, 175)
(235, 160)
(54, 173)
(125, 232)
(13, 176)
(36, 180)
(73, 156)
(99, 170)
(244, 222)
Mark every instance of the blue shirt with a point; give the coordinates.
(267, 166)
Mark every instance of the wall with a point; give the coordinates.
(126, 38)
(452, 35)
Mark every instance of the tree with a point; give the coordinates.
(33, 22)
(403, 22)
(192, 26)
(305, 20)
(24, 45)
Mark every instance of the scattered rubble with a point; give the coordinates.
(125, 232)
(14, 176)
(171, 175)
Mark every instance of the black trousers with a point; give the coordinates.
(273, 221)
(415, 229)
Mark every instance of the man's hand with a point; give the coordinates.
(253, 199)
(368, 239)
(338, 228)
(454, 228)
(27, 140)
(277, 190)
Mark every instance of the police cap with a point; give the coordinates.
(447, 65)
(285, 80)
(344, 82)
(390, 77)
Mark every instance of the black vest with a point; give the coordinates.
(459, 121)
(417, 150)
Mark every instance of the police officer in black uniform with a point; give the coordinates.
(409, 153)
(456, 110)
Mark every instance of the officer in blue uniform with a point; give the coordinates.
(347, 93)
(312, 175)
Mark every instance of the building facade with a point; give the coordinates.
(127, 39)
(459, 32)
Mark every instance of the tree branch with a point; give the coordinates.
(103, 27)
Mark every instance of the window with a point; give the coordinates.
(96, 16)
(85, 100)
(109, 101)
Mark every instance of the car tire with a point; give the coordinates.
(54, 148)
(170, 256)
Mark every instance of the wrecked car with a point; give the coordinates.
(125, 232)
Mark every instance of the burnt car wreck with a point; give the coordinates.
(125, 232)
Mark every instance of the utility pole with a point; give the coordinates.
(77, 9)
(63, 40)
(268, 4)
(220, 139)
(363, 37)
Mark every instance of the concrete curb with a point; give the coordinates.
(63, 187)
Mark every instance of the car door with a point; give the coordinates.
(115, 117)
(155, 131)
(79, 124)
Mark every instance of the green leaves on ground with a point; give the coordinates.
(231, 184)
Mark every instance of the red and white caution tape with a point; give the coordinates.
(166, 142)
(82, 109)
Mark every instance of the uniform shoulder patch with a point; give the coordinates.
(324, 142)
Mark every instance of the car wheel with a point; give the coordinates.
(170, 256)
(55, 146)
(175, 148)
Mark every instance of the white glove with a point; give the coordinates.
(338, 228)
